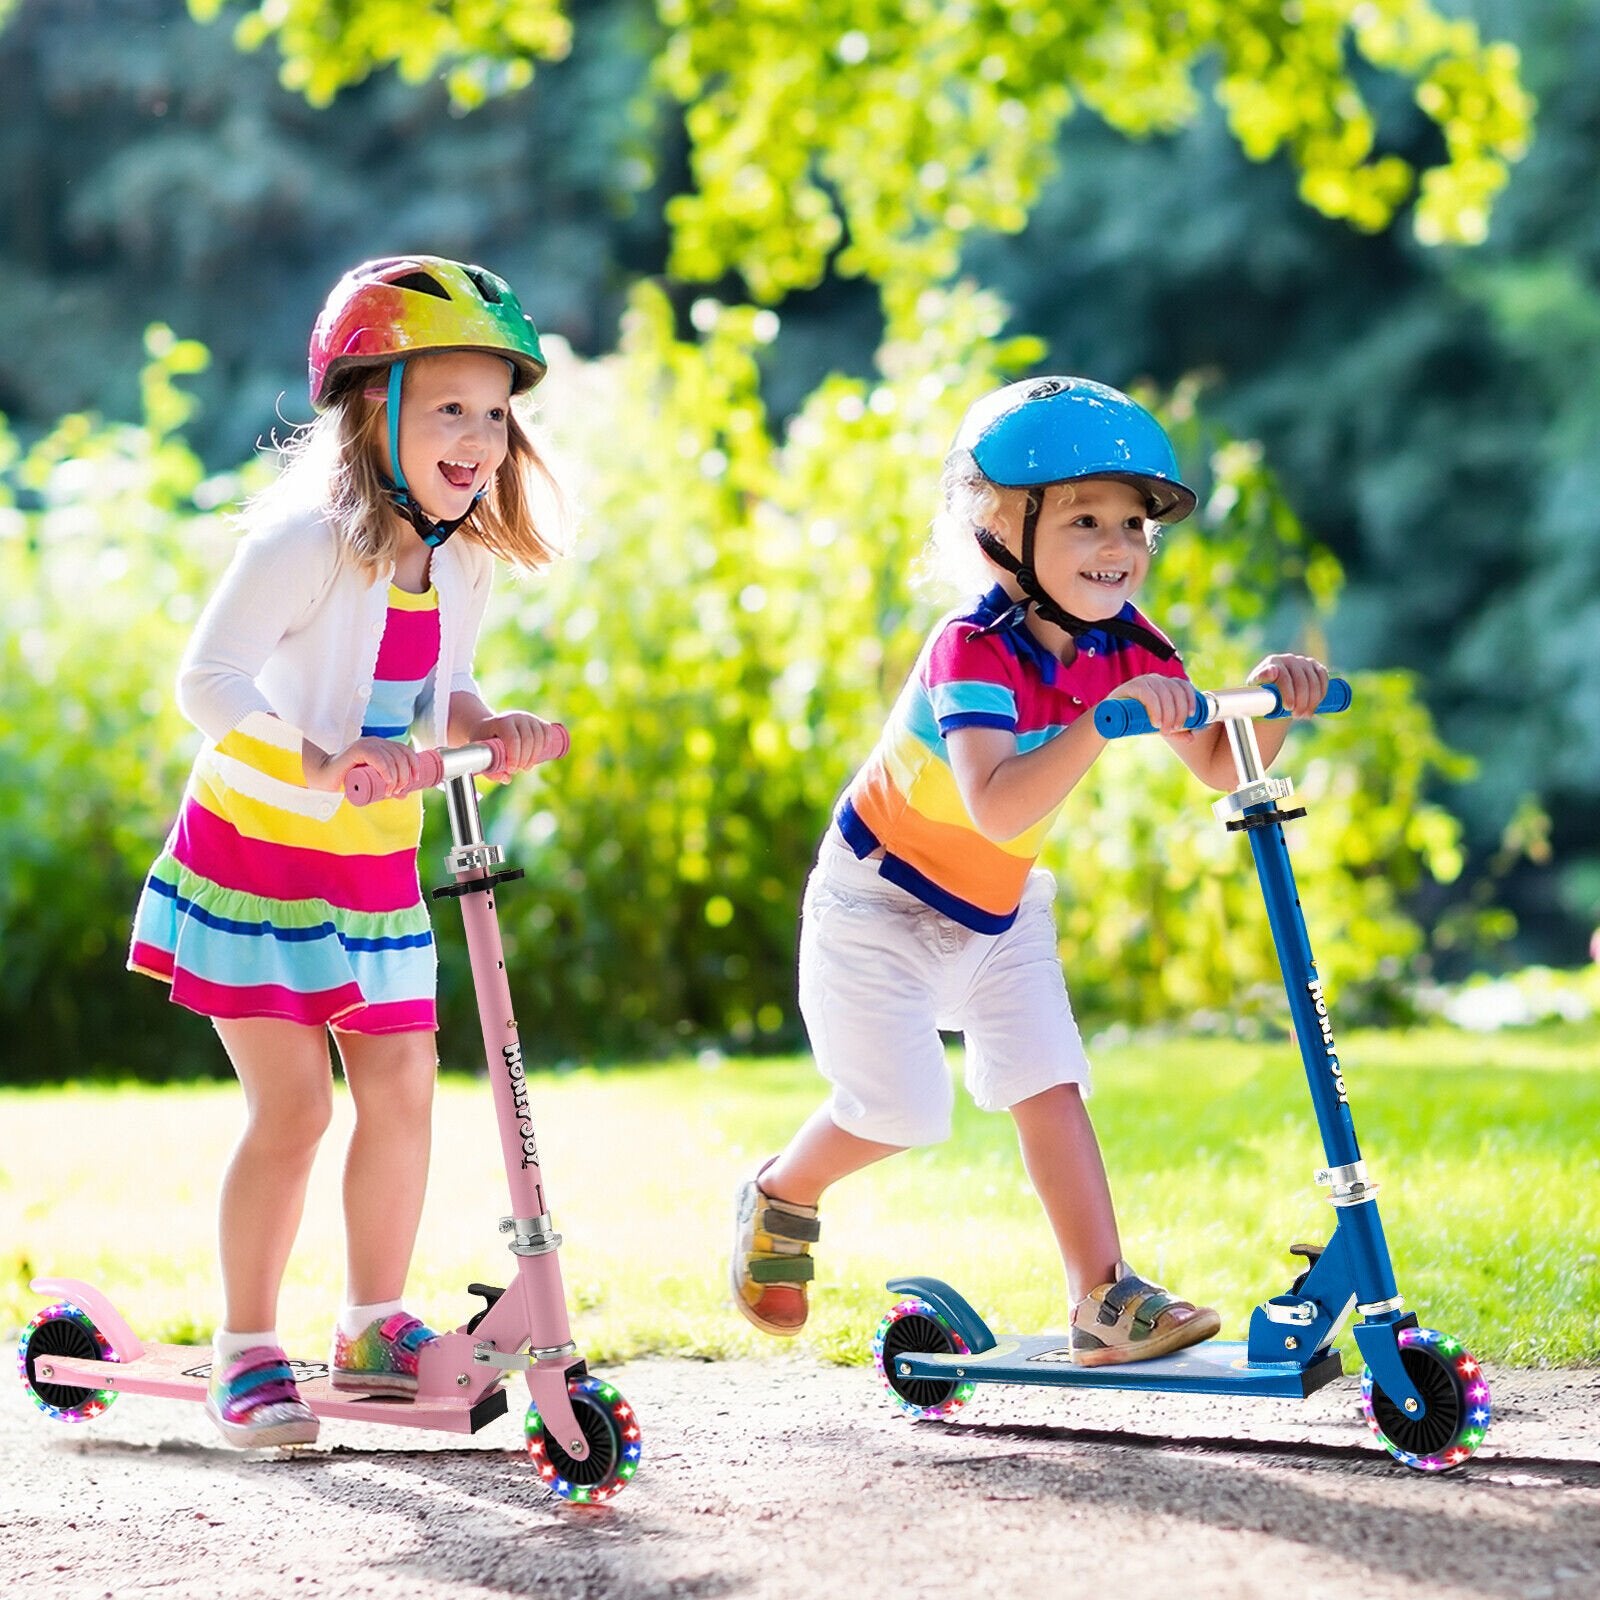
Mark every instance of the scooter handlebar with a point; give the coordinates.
(362, 785)
(1120, 719)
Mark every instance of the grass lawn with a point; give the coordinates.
(1488, 1148)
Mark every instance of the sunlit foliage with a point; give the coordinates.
(881, 132)
(487, 46)
(110, 537)
(741, 608)
(729, 633)
(722, 643)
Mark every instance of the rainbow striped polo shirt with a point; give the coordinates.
(980, 668)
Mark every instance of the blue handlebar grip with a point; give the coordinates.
(1116, 719)
(1119, 719)
(1338, 698)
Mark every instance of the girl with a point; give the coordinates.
(349, 613)
(925, 911)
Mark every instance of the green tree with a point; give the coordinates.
(874, 140)
(884, 131)
(726, 639)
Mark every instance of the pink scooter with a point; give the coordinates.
(79, 1354)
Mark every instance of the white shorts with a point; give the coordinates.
(881, 973)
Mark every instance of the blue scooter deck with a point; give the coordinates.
(1215, 1367)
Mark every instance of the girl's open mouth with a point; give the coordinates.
(459, 474)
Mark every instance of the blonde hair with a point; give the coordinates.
(336, 463)
(970, 501)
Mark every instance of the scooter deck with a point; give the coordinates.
(180, 1371)
(1215, 1367)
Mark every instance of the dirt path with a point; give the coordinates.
(783, 1479)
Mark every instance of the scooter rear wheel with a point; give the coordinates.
(612, 1433)
(1455, 1392)
(63, 1330)
(914, 1327)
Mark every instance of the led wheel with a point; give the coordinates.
(612, 1433)
(914, 1328)
(1455, 1392)
(63, 1330)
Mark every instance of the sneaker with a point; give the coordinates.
(382, 1359)
(772, 1262)
(254, 1402)
(1132, 1320)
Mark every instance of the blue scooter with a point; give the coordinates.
(1424, 1397)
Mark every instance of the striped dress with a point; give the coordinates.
(274, 900)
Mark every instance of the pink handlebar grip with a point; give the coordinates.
(362, 786)
(560, 744)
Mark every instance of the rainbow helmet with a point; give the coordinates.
(1053, 430)
(398, 306)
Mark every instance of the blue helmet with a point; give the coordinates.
(1052, 430)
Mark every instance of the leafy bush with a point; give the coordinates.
(724, 644)
(105, 558)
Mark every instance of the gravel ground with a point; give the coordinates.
(780, 1478)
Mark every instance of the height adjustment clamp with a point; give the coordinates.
(1349, 1184)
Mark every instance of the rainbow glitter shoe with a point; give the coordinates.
(253, 1401)
(383, 1358)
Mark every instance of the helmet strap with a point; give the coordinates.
(1036, 595)
(396, 374)
(431, 533)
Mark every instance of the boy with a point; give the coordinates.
(925, 910)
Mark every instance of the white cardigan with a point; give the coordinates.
(293, 630)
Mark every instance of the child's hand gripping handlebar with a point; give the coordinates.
(362, 785)
(1118, 719)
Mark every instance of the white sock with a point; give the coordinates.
(228, 1346)
(355, 1320)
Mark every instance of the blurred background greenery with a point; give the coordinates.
(778, 248)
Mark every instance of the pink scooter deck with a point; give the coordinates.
(179, 1372)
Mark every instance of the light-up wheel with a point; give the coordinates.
(612, 1433)
(915, 1328)
(1455, 1392)
(62, 1330)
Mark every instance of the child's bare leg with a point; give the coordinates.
(284, 1070)
(1062, 1157)
(817, 1157)
(1063, 1160)
(391, 1078)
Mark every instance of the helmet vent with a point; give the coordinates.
(485, 286)
(422, 283)
(1044, 388)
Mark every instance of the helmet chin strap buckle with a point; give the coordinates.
(432, 533)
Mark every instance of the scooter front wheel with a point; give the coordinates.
(914, 1327)
(612, 1433)
(1455, 1392)
(62, 1330)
